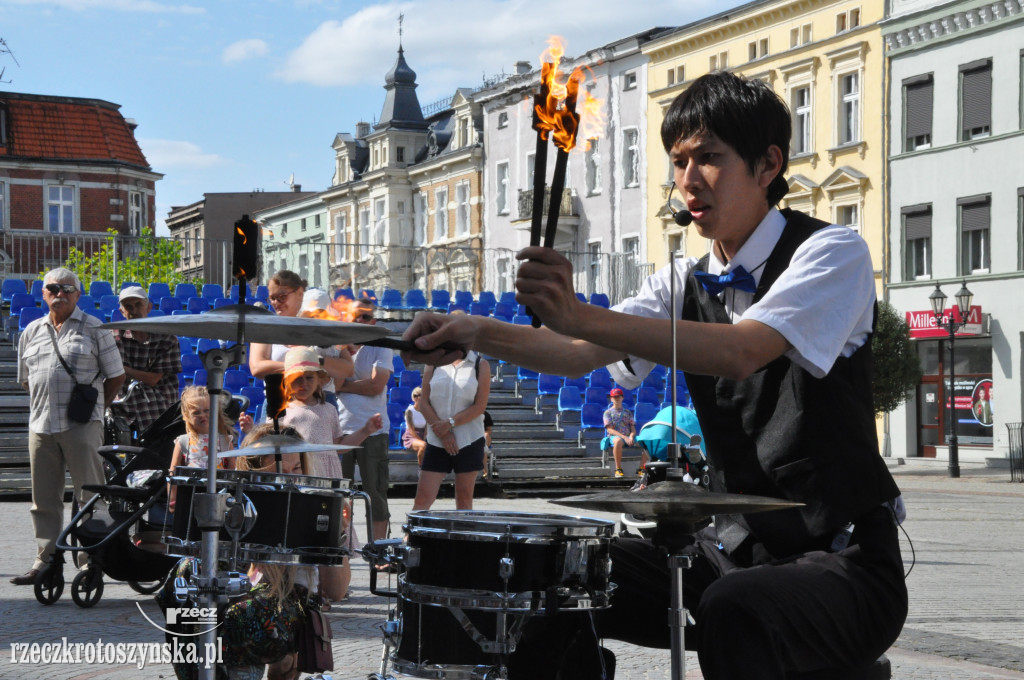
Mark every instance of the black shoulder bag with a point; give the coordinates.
(83, 395)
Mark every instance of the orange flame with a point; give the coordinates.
(555, 116)
(592, 124)
(241, 233)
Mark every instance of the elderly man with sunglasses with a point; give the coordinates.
(55, 353)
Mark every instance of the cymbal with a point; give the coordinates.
(676, 499)
(257, 325)
(281, 443)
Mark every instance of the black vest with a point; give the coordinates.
(783, 433)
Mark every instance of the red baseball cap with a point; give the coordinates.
(616, 392)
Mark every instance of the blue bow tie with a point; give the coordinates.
(738, 278)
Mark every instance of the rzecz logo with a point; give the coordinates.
(204, 617)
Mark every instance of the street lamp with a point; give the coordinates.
(963, 303)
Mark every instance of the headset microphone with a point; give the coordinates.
(682, 217)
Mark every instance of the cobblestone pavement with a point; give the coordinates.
(965, 622)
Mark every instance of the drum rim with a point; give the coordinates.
(256, 552)
(190, 475)
(439, 671)
(489, 523)
(489, 600)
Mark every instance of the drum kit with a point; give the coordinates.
(471, 582)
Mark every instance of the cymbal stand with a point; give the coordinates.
(211, 509)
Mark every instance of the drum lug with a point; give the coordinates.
(209, 509)
(410, 556)
(506, 567)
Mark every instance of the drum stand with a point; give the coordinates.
(210, 589)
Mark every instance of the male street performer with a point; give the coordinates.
(774, 329)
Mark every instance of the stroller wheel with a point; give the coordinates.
(49, 585)
(87, 587)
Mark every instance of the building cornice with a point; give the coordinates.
(908, 33)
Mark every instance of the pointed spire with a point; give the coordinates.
(401, 106)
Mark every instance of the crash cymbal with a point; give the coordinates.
(676, 499)
(280, 443)
(257, 325)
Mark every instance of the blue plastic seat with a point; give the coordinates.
(222, 302)
(647, 395)
(116, 315)
(415, 299)
(595, 395)
(28, 315)
(344, 292)
(262, 293)
(197, 305)
(212, 291)
(600, 377)
(508, 297)
(21, 301)
(206, 344)
(235, 380)
(126, 284)
(599, 299)
(400, 395)
(579, 383)
(527, 374)
(190, 363)
(200, 377)
(654, 381)
(86, 303)
(479, 309)
(548, 384)
(184, 291)
(397, 364)
(108, 303)
(176, 312)
(367, 294)
(396, 413)
(185, 345)
(683, 401)
(256, 397)
(410, 379)
(391, 298)
(464, 298)
(504, 311)
(521, 320)
(456, 307)
(569, 399)
(440, 299)
(11, 286)
(157, 291)
(37, 289)
(644, 413)
(169, 304)
(486, 297)
(98, 289)
(152, 312)
(592, 416)
(581, 297)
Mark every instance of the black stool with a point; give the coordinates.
(879, 670)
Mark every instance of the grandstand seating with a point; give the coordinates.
(116, 315)
(599, 299)
(644, 413)
(463, 298)
(628, 397)
(396, 413)
(169, 304)
(570, 403)
(415, 299)
(595, 395)
(200, 377)
(508, 297)
(256, 398)
(397, 364)
(486, 297)
(127, 284)
(86, 303)
(578, 383)
(11, 286)
(235, 380)
(212, 291)
(190, 363)
(37, 290)
(648, 395)
(440, 299)
(521, 320)
(400, 395)
(548, 385)
(108, 303)
(600, 377)
(184, 291)
(20, 301)
(206, 344)
(197, 305)
(177, 312)
(262, 293)
(98, 289)
(344, 292)
(391, 298)
(479, 309)
(410, 379)
(504, 311)
(158, 291)
(222, 302)
(152, 312)
(591, 418)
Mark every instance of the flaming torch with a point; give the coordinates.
(554, 117)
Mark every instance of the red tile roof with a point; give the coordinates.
(68, 129)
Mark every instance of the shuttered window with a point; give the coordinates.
(976, 99)
(975, 242)
(918, 97)
(917, 242)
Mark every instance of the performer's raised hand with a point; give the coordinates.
(544, 284)
(440, 338)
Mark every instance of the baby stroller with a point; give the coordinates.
(107, 529)
(654, 438)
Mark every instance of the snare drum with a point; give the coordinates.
(474, 580)
(298, 518)
(507, 561)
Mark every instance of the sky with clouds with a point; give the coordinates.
(235, 96)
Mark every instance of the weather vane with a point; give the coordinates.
(401, 18)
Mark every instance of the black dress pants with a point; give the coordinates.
(813, 611)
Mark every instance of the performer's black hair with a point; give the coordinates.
(745, 114)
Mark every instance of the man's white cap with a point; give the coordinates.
(132, 292)
(315, 298)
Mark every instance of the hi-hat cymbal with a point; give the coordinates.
(257, 325)
(281, 443)
(675, 499)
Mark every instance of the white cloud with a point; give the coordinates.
(244, 49)
(474, 37)
(116, 5)
(167, 154)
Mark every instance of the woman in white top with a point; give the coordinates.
(415, 433)
(453, 402)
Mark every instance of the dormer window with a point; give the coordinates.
(503, 120)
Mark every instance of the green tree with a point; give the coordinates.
(897, 367)
(142, 260)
